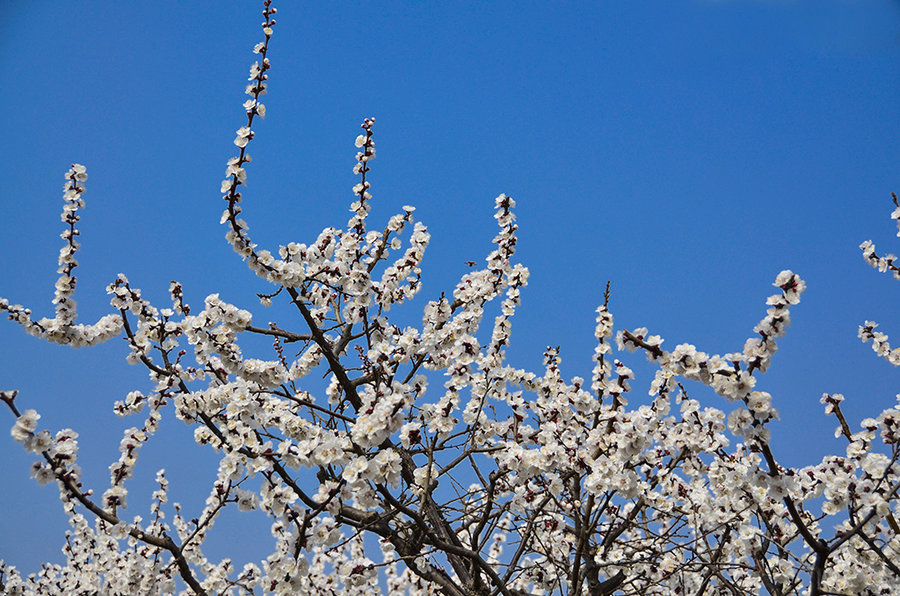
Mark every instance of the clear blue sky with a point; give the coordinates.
(687, 151)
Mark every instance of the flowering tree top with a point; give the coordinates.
(429, 464)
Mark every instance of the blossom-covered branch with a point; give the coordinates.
(62, 328)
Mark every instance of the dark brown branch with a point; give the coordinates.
(287, 335)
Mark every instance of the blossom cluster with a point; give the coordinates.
(880, 343)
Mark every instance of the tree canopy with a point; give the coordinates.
(426, 463)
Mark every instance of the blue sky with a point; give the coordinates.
(687, 151)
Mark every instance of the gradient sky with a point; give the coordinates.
(687, 151)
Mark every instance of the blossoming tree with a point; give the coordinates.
(429, 465)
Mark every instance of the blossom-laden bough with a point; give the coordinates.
(503, 481)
